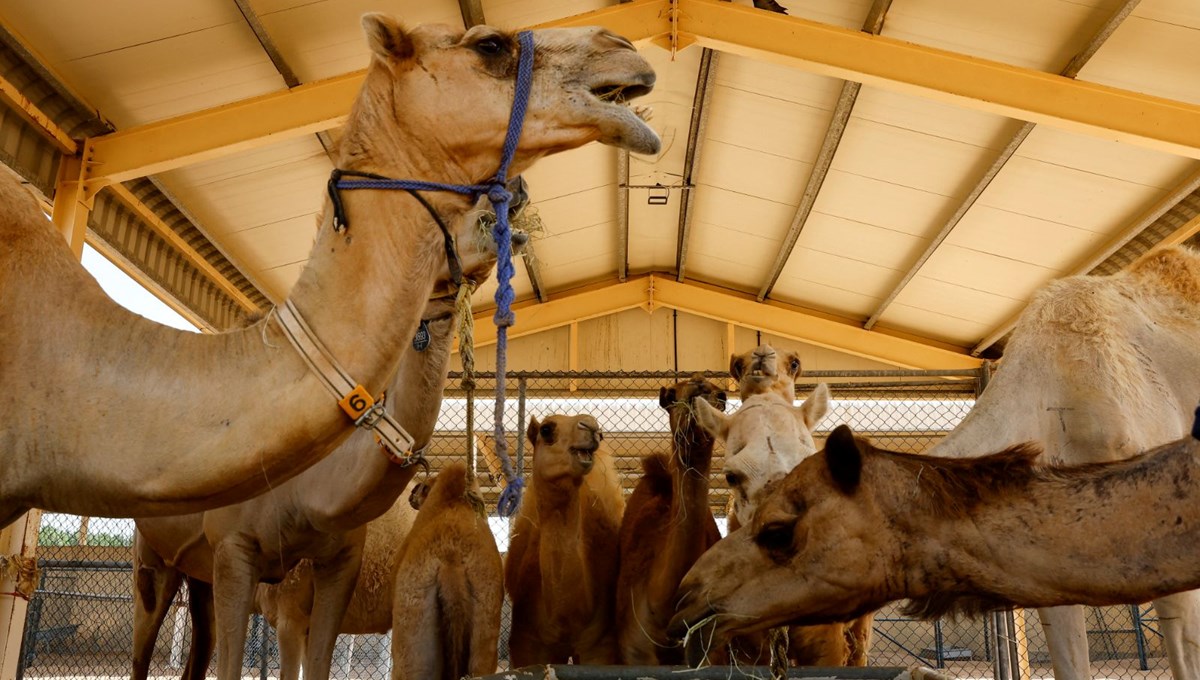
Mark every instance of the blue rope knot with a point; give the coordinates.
(510, 498)
(498, 193)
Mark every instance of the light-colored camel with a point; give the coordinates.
(450, 588)
(561, 569)
(668, 524)
(856, 527)
(317, 515)
(1098, 369)
(762, 371)
(110, 414)
(767, 436)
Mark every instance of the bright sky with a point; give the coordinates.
(129, 293)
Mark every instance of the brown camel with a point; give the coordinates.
(192, 421)
(857, 527)
(561, 570)
(1100, 368)
(668, 524)
(446, 611)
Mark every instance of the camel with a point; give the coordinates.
(767, 436)
(762, 372)
(318, 515)
(1098, 369)
(561, 570)
(667, 525)
(446, 611)
(857, 527)
(192, 422)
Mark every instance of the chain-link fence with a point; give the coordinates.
(80, 621)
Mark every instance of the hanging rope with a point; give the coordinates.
(500, 197)
(777, 638)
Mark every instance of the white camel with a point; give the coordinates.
(1100, 368)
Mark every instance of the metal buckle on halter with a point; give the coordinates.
(371, 417)
(416, 457)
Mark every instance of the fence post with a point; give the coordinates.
(1000, 665)
(472, 449)
(939, 649)
(20, 541)
(521, 386)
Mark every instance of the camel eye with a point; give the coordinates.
(489, 47)
(795, 365)
(776, 536)
(733, 479)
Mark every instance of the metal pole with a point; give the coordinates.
(1014, 653)
(262, 646)
(939, 650)
(1139, 636)
(472, 449)
(521, 387)
(1000, 666)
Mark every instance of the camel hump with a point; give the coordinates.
(449, 487)
(657, 471)
(1176, 270)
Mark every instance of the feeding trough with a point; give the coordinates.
(571, 672)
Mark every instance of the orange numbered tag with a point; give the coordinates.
(356, 402)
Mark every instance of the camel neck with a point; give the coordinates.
(1119, 533)
(563, 559)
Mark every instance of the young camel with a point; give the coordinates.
(446, 611)
(561, 570)
(762, 372)
(668, 524)
(1100, 368)
(857, 527)
(194, 421)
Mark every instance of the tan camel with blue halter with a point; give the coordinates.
(109, 414)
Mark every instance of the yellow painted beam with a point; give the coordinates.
(789, 322)
(30, 111)
(563, 310)
(120, 262)
(656, 291)
(178, 243)
(303, 110)
(970, 82)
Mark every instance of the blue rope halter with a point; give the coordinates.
(500, 197)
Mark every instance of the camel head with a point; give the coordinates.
(677, 400)
(762, 369)
(454, 484)
(764, 440)
(447, 95)
(815, 551)
(564, 447)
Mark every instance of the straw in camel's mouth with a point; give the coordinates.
(586, 456)
(618, 94)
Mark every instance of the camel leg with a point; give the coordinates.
(1180, 617)
(234, 579)
(333, 586)
(293, 637)
(1066, 636)
(204, 625)
(416, 644)
(154, 588)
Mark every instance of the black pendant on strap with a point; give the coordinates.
(421, 339)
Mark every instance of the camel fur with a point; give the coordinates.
(561, 570)
(667, 525)
(857, 527)
(189, 422)
(450, 586)
(1100, 368)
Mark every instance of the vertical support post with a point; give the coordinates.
(19, 539)
(1000, 666)
(472, 448)
(730, 344)
(939, 644)
(1021, 642)
(573, 354)
(72, 204)
(1014, 650)
(521, 387)
(1139, 636)
(83, 530)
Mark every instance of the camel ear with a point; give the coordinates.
(722, 400)
(736, 367)
(844, 459)
(814, 408)
(714, 422)
(386, 37)
(532, 431)
(416, 497)
(666, 396)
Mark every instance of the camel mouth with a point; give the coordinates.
(621, 124)
(585, 455)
